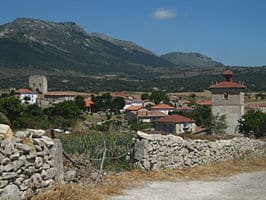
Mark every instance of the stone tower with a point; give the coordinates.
(228, 99)
(38, 83)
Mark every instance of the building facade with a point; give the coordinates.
(228, 100)
(175, 124)
(164, 108)
(27, 96)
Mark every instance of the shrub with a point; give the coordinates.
(253, 124)
(4, 119)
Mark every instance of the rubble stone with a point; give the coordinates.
(28, 163)
(154, 152)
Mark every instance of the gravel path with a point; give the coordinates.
(248, 186)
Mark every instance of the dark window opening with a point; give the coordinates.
(226, 95)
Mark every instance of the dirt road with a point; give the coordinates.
(248, 186)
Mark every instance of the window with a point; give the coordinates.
(226, 95)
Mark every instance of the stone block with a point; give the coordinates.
(6, 131)
(11, 192)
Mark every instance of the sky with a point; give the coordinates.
(229, 31)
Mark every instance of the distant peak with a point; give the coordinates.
(25, 19)
(70, 23)
(31, 22)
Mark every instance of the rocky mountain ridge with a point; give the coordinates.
(190, 59)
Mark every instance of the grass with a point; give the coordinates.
(116, 183)
(92, 146)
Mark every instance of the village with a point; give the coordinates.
(156, 111)
(75, 137)
(132, 100)
(79, 137)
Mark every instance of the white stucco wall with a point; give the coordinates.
(32, 96)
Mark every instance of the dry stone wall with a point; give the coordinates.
(154, 151)
(29, 162)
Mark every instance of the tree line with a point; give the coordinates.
(19, 115)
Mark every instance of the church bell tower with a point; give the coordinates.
(228, 100)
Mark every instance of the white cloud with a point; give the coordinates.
(162, 14)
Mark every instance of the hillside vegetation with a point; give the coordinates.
(190, 59)
(73, 59)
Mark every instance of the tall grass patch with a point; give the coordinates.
(93, 146)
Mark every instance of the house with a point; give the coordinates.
(185, 109)
(133, 102)
(147, 116)
(119, 94)
(175, 124)
(27, 96)
(148, 103)
(88, 104)
(59, 96)
(129, 112)
(182, 102)
(128, 104)
(256, 106)
(173, 100)
(164, 108)
(204, 102)
(137, 102)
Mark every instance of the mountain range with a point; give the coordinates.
(65, 53)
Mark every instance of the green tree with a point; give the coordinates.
(13, 109)
(260, 96)
(192, 96)
(253, 123)
(144, 96)
(66, 109)
(79, 100)
(106, 101)
(4, 119)
(202, 115)
(159, 96)
(218, 124)
(118, 103)
(102, 103)
(34, 110)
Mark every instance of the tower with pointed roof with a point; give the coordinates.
(228, 99)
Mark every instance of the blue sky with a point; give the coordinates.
(230, 31)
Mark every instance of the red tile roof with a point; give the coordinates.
(255, 105)
(184, 108)
(184, 101)
(162, 106)
(228, 72)
(205, 102)
(88, 102)
(133, 108)
(24, 91)
(227, 84)
(118, 94)
(59, 93)
(175, 119)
